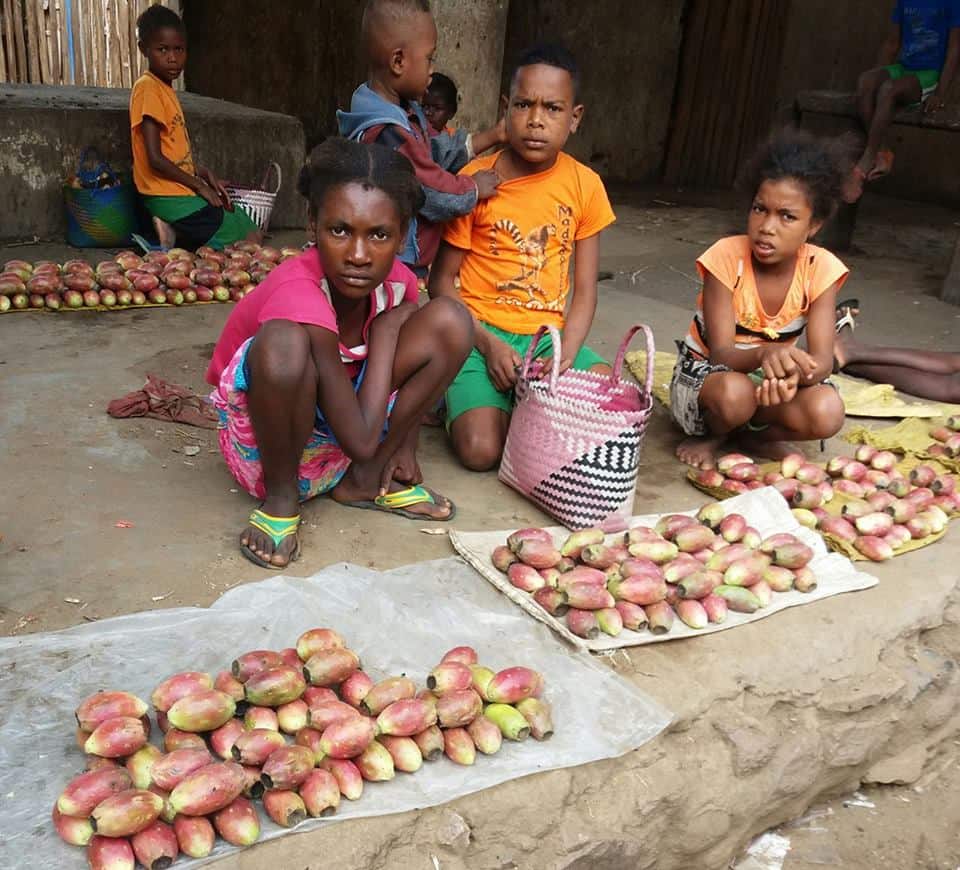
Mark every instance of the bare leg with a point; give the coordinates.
(867, 87)
(813, 414)
(890, 96)
(728, 401)
(850, 352)
(939, 387)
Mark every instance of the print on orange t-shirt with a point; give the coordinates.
(152, 98)
(516, 271)
(730, 262)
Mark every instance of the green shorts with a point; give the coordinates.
(197, 222)
(472, 387)
(928, 78)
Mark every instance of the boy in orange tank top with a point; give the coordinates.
(740, 368)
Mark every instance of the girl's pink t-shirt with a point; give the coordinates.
(297, 290)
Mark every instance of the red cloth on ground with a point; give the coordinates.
(165, 401)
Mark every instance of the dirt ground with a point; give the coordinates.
(70, 473)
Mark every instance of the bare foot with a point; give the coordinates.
(844, 342)
(261, 544)
(354, 489)
(700, 451)
(165, 233)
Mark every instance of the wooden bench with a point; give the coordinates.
(834, 113)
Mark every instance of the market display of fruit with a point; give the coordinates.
(296, 729)
(946, 440)
(688, 568)
(174, 277)
(875, 510)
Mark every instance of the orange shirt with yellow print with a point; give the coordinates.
(519, 243)
(153, 98)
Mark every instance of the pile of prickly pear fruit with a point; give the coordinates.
(691, 568)
(946, 440)
(297, 728)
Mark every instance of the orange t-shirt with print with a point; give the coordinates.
(519, 243)
(152, 98)
(730, 261)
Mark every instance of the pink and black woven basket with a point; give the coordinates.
(574, 442)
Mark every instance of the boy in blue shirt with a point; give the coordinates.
(917, 63)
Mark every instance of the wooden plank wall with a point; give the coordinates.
(36, 37)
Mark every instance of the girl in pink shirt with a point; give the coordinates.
(322, 375)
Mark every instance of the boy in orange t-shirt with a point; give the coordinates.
(188, 203)
(513, 254)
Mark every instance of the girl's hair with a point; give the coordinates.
(444, 87)
(337, 162)
(820, 165)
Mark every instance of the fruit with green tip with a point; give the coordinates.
(97, 708)
(227, 683)
(116, 738)
(693, 538)
(598, 556)
(659, 552)
(777, 578)
(238, 822)
(610, 621)
(583, 623)
(195, 835)
(156, 846)
(792, 556)
(804, 580)
(261, 718)
(552, 600)
(791, 464)
(747, 571)
(691, 613)
(763, 592)
(739, 598)
(503, 557)
(125, 813)
(810, 474)
(203, 711)
(404, 751)
(711, 515)
(465, 655)
(699, 584)
(449, 677)
(430, 742)
(660, 617)
(294, 715)
(310, 738)
(245, 666)
(485, 734)
(375, 763)
(481, 678)
(73, 830)
(919, 528)
(514, 684)
(254, 747)
(347, 775)
(208, 789)
(575, 542)
(274, 687)
(330, 667)
(709, 478)
(509, 720)
(641, 590)
(634, 617)
(670, 525)
(806, 518)
(459, 747)
(729, 460)
(284, 807)
(683, 566)
(286, 767)
(715, 607)
(110, 853)
(403, 718)
(140, 765)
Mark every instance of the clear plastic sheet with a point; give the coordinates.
(400, 621)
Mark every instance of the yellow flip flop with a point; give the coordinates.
(398, 502)
(278, 529)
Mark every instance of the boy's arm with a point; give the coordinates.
(584, 303)
(821, 334)
(502, 360)
(936, 100)
(168, 169)
(890, 47)
(482, 140)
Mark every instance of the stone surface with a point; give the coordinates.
(902, 769)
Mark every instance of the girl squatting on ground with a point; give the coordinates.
(323, 374)
(741, 371)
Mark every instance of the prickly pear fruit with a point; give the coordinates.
(347, 775)
(598, 556)
(195, 835)
(331, 666)
(208, 789)
(315, 695)
(126, 813)
(140, 765)
(485, 734)
(787, 487)
(203, 711)
(586, 596)
(918, 528)
(711, 515)
(294, 715)
(855, 471)
(683, 566)
(610, 621)
(693, 538)
(898, 536)
(223, 738)
(238, 822)
(669, 525)
(944, 484)
(771, 477)
(565, 564)
(410, 716)
(404, 751)
(320, 793)
(386, 692)
(777, 578)
(254, 747)
(922, 475)
(806, 518)
(110, 853)
(172, 689)
(310, 738)
(261, 717)
(810, 474)
(692, 613)
(514, 684)
(874, 524)
(660, 617)
(935, 517)
(286, 808)
(723, 559)
(715, 607)
(709, 478)
(97, 708)
(449, 677)
(879, 479)
(763, 592)
(792, 463)
(466, 655)
(880, 500)
(953, 423)
(76, 831)
(274, 687)
(316, 640)
(115, 738)
(170, 770)
(290, 658)
(525, 577)
(552, 600)
(176, 739)
(481, 678)
(250, 663)
(538, 554)
(227, 683)
(835, 465)
(95, 762)
(575, 543)
(458, 709)
(509, 720)
(581, 574)
(375, 763)
(921, 496)
(286, 767)
(659, 552)
(804, 580)
(792, 556)
(350, 737)
(738, 598)
(583, 623)
(156, 847)
(732, 528)
(503, 557)
(807, 497)
(874, 548)
(324, 715)
(745, 472)
(902, 511)
(699, 584)
(899, 487)
(729, 460)
(459, 746)
(858, 508)
(641, 590)
(839, 528)
(518, 537)
(430, 742)
(633, 615)
(747, 571)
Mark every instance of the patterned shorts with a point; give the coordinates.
(323, 462)
(688, 376)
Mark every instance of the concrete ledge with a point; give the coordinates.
(845, 104)
(43, 129)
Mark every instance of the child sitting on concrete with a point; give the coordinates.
(400, 38)
(189, 203)
(740, 369)
(513, 254)
(918, 61)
